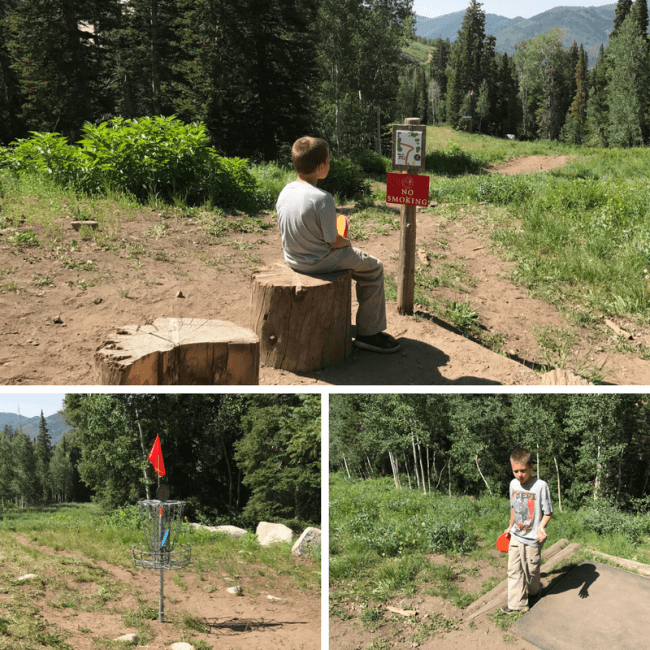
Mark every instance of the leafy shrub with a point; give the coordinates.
(371, 162)
(449, 537)
(345, 179)
(151, 156)
(453, 161)
(607, 520)
(271, 178)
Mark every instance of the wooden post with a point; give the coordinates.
(406, 269)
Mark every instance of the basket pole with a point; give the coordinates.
(161, 605)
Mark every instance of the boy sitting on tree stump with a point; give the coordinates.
(307, 221)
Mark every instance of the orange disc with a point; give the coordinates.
(342, 225)
(503, 542)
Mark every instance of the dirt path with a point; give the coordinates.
(291, 619)
(54, 315)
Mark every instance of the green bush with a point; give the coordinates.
(148, 157)
(607, 520)
(371, 162)
(345, 179)
(453, 161)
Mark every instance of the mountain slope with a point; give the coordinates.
(56, 427)
(587, 25)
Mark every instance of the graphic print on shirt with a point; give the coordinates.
(524, 509)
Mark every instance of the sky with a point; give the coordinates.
(507, 8)
(30, 404)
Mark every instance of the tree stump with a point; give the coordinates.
(303, 321)
(185, 351)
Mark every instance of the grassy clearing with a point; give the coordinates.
(580, 234)
(381, 539)
(78, 584)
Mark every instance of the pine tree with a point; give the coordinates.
(43, 452)
(574, 127)
(466, 62)
(623, 8)
(597, 109)
(483, 103)
(640, 14)
(50, 57)
(627, 88)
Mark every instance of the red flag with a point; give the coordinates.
(156, 459)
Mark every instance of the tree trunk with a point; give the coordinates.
(171, 351)
(559, 497)
(347, 469)
(481, 473)
(415, 462)
(424, 484)
(155, 67)
(303, 321)
(145, 471)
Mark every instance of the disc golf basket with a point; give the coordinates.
(161, 525)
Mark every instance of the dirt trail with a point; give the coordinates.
(54, 316)
(291, 620)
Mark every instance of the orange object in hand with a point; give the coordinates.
(503, 542)
(342, 225)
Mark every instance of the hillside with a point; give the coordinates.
(56, 427)
(587, 25)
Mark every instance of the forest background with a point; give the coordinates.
(259, 74)
(234, 459)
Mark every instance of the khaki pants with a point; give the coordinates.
(523, 573)
(368, 272)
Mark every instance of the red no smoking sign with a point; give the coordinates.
(407, 189)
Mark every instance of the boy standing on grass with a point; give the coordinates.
(307, 221)
(530, 511)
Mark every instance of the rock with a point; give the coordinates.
(180, 295)
(236, 590)
(57, 320)
(128, 638)
(233, 531)
(98, 301)
(268, 533)
(181, 645)
(27, 576)
(273, 597)
(310, 537)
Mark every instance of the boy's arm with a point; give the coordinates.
(340, 242)
(541, 529)
(512, 521)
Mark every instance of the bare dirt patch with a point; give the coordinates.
(438, 623)
(528, 164)
(54, 315)
(291, 620)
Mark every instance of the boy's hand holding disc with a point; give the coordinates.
(503, 542)
(342, 225)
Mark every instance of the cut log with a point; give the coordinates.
(303, 321)
(179, 351)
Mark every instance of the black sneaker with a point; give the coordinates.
(382, 343)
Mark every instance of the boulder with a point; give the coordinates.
(236, 590)
(181, 645)
(310, 537)
(128, 638)
(268, 533)
(233, 531)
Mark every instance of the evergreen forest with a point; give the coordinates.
(234, 459)
(592, 449)
(259, 74)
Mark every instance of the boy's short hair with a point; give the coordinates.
(308, 153)
(522, 456)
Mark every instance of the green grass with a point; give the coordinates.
(580, 234)
(380, 538)
(92, 536)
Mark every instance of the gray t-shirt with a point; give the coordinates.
(530, 502)
(307, 221)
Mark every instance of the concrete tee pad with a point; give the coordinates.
(596, 607)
